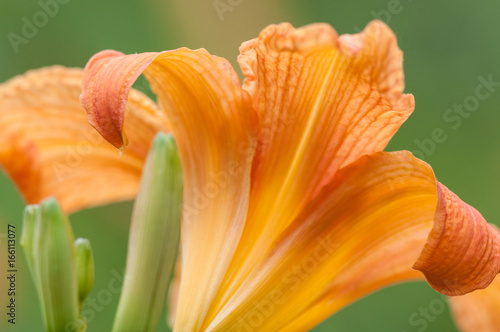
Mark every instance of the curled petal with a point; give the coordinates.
(48, 148)
(214, 127)
(106, 106)
(462, 252)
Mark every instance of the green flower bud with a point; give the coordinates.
(84, 269)
(154, 239)
(47, 240)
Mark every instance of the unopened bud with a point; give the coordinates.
(154, 239)
(84, 269)
(47, 240)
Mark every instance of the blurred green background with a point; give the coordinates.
(448, 45)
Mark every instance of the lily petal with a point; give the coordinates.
(478, 311)
(462, 253)
(323, 101)
(215, 128)
(363, 231)
(48, 148)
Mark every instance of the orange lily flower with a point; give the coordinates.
(291, 208)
